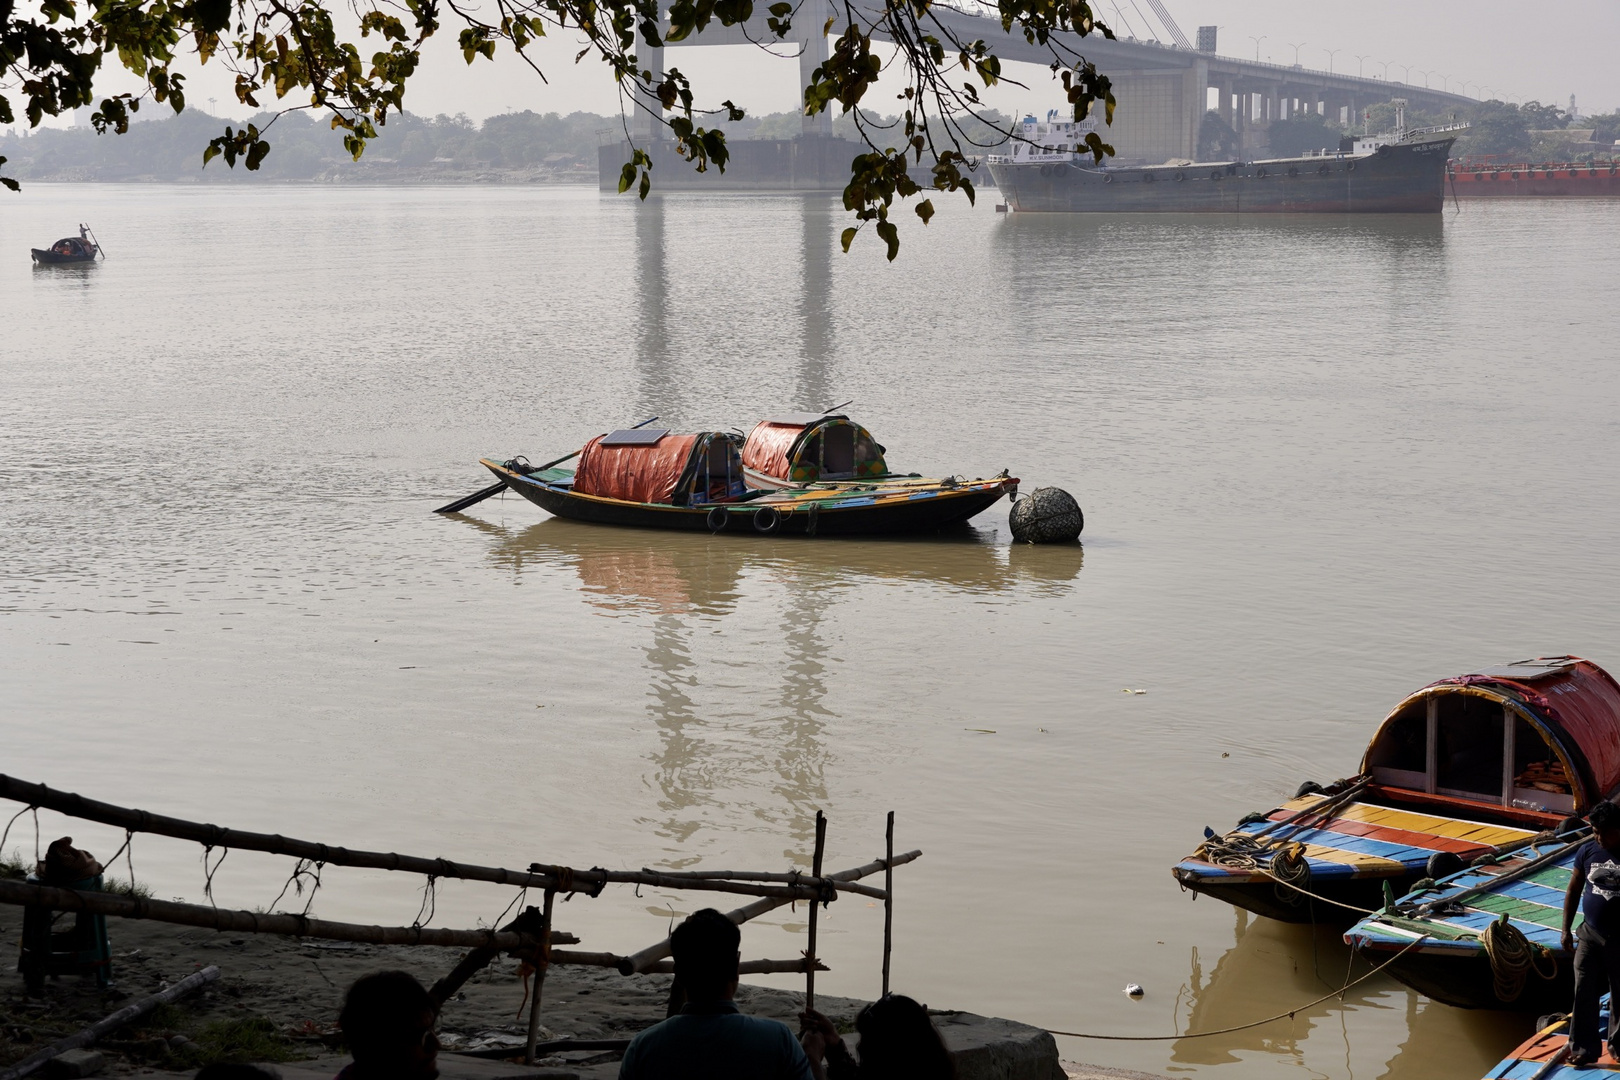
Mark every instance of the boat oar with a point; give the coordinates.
(500, 485)
(99, 250)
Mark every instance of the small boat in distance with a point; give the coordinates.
(69, 249)
(1470, 766)
(653, 478)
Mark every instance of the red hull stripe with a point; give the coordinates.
(1403, 837)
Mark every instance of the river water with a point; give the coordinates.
(1324, 461)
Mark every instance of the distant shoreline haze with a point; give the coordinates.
(517, 147)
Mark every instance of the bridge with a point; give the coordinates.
(1163, 90)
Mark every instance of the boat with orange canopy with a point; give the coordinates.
(654, 478)
(1472, 766)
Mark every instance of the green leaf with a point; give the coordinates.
(847, 237)
(925, 210)
(891, 236)
(209, 154)
(627, 176)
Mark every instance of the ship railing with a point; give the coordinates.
(1420, 133)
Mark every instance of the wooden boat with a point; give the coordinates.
(1469, 955)
(69, 249)
(651, 478)
(810, 448)
(1542, 1055)
(1467, 766)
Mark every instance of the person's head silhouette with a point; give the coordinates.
(388, 1020)
(706, 950)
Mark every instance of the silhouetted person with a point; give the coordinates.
(388, 1020)
(1595, 887)
(709, 1039)
(898, 1042)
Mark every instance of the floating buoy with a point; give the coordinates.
(1133, 990)
(1046, 515)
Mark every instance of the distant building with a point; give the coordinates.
(1206, 38)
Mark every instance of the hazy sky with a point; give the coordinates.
(1546, 52)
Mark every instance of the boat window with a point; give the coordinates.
(838, 452)
(1468, 745)
(1539, 779)
(1400, 756)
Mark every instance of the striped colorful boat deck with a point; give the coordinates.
(1530, 1057)
(1534, 904)
(1366, 840)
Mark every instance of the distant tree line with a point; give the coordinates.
(1528, 132)
(522, 146)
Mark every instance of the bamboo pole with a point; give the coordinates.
(110, 1022)
(539, 875)
(541, 963)
(888, 900)
(17, 892)
(792, 877)
(810, 952)
(528, 921)
(643, 960)
(568, 957)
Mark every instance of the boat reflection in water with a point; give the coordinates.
(687, 572)
(1273, 967)
(688, 587)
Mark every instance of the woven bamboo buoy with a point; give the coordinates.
(1046, 515)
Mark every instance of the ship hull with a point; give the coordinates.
(1396, 179)
(1597, 180)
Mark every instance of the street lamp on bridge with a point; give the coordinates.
(1384, 64)
(1257, 41)
(1298, 46)
(1360, 62)
(1406, 73)
(1331, 53)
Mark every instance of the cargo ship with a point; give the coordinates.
(1399, 173)
(1580, 179)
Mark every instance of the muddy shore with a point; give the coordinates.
(277, 999)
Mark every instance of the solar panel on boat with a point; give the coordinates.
(1522, 670)
(634, 436)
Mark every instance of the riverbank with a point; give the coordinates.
(277, 998)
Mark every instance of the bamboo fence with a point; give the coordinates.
(530, 936)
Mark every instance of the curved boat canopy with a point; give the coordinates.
(1539, 734)
(802, 448)
(655, 466)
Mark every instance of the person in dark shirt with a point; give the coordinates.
(388, 1021)
(1595, 888)
(898, 1040)
(709, 1039)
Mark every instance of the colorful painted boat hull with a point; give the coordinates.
(1451, 964)
(1351, 855)
(1540, 1057)
(826, 510)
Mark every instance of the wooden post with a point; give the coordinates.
(888, 900)
(540, 966)
(815, 906)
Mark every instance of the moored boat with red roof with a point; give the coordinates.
(1475, 765)
(653, 478)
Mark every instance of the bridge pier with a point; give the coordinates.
(813, 15)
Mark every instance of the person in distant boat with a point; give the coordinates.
(1595, 888)
(388, 1020)
(897, 1040)
(710, 1039)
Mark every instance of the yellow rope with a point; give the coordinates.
(1245, 1027)
(1512, 957)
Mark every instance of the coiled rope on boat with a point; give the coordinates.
(1292, 871)
(1513, 957)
